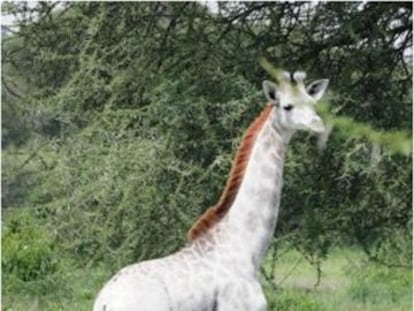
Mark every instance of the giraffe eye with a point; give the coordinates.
(288, 107)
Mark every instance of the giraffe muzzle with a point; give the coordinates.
(317, 125)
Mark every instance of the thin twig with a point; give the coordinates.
(287, 275)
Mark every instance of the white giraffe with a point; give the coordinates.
(218, 270)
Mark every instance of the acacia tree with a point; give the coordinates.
(120, 121)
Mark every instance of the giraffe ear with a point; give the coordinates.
(317, 88)
(270, 91)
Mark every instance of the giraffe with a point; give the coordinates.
(218, 269)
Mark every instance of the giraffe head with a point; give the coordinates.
(295, 101)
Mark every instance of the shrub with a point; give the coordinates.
(380, 285)
(28, 254)
(292, 300)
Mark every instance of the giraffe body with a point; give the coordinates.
(219, 268)
(166, 284)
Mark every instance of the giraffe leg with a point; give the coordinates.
(241, 295)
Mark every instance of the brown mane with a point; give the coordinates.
(212, 215)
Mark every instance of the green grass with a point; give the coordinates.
(74, 291)
(348, 282)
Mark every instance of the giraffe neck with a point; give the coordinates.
(251, 220)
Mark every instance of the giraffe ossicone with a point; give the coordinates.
(218, 269)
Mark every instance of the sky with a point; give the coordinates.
(7, 20)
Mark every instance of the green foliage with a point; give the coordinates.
(381, 286)
(291, 300)
(394, 248)
(29, 261)
(27, 250)
(120, 122)
(78, 292)
(395, 141)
